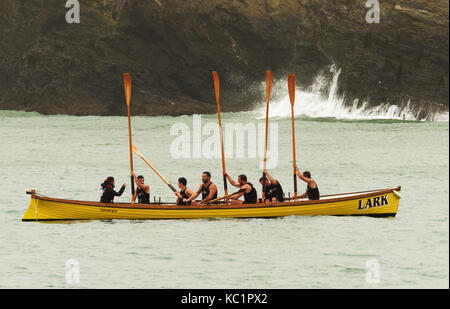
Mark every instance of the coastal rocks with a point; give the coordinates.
(170, 48)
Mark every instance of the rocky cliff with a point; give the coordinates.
(170, 48)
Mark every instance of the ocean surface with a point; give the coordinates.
(68, 157)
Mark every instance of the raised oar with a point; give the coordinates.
(291, 87)
(216, 88)
(225, 196)
(136, 151)
(127, 87)
(268, 90)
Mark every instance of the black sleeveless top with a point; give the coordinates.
(251, 197)
(143, 197)
(205, 192)
(313, 194)
(183, 196)
(274, 190)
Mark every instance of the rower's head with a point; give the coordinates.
(307, 174)
(242, 179)
(108, 181)
(264, 181)
(206, 176)
(140, 179)
(182, 182)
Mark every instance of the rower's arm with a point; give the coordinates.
(120, 191)
(212, 192)
(232, 182)
(303, 195)
(194, 194)
(272, 180)
(305, 179)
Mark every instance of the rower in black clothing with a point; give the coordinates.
(273, 191)
(108, 190)
(208, 190)
(246, 189)
(142, 191)
(312, 190)
(185, 192)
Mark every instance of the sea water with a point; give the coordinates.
(68, 157)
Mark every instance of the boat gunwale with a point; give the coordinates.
(170, 206)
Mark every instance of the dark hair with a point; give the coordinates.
(140, 177)
(107, 181)
(182, 180)
(243, 177)
(207, 174)
(307, 174)
(264, 178)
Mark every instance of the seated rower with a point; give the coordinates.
(108, 190)
(246, 189)
(273, 191)
(185, 192)
(312, 191)
(208, 190)
(142, 191)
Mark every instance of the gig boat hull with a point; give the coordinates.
(378, 203)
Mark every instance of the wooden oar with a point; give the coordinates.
(136, 151)
(291, 87)
(224, 197)
(127, 86)
(268, 90)
(216, 88)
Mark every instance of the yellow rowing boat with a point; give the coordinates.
(377, 203)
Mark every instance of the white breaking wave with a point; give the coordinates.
(321, 100)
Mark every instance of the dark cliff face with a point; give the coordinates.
(170, 48)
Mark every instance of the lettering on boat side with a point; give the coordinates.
(108, 210)
(373, 202)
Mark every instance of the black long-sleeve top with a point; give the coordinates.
(109, 193)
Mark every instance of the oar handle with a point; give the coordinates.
(140, 155)
(225, 196)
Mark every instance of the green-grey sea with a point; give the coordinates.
(68, 157)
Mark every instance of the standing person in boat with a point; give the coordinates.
(272, 189)
(312, 190)
(208, 190)
(142, 191)
(185, 192)
(246, 189)
(108, 190)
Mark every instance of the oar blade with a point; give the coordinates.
(127, 87)
(291, 87)
(216, 85)
(268, 84)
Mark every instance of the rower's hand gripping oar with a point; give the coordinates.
(268, 91)
(225, 196)
(136, 151)
(216, 88)
(127, 87)
(291, 87)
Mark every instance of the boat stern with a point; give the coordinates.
(31, 213)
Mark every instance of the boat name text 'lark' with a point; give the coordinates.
(373, 202)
